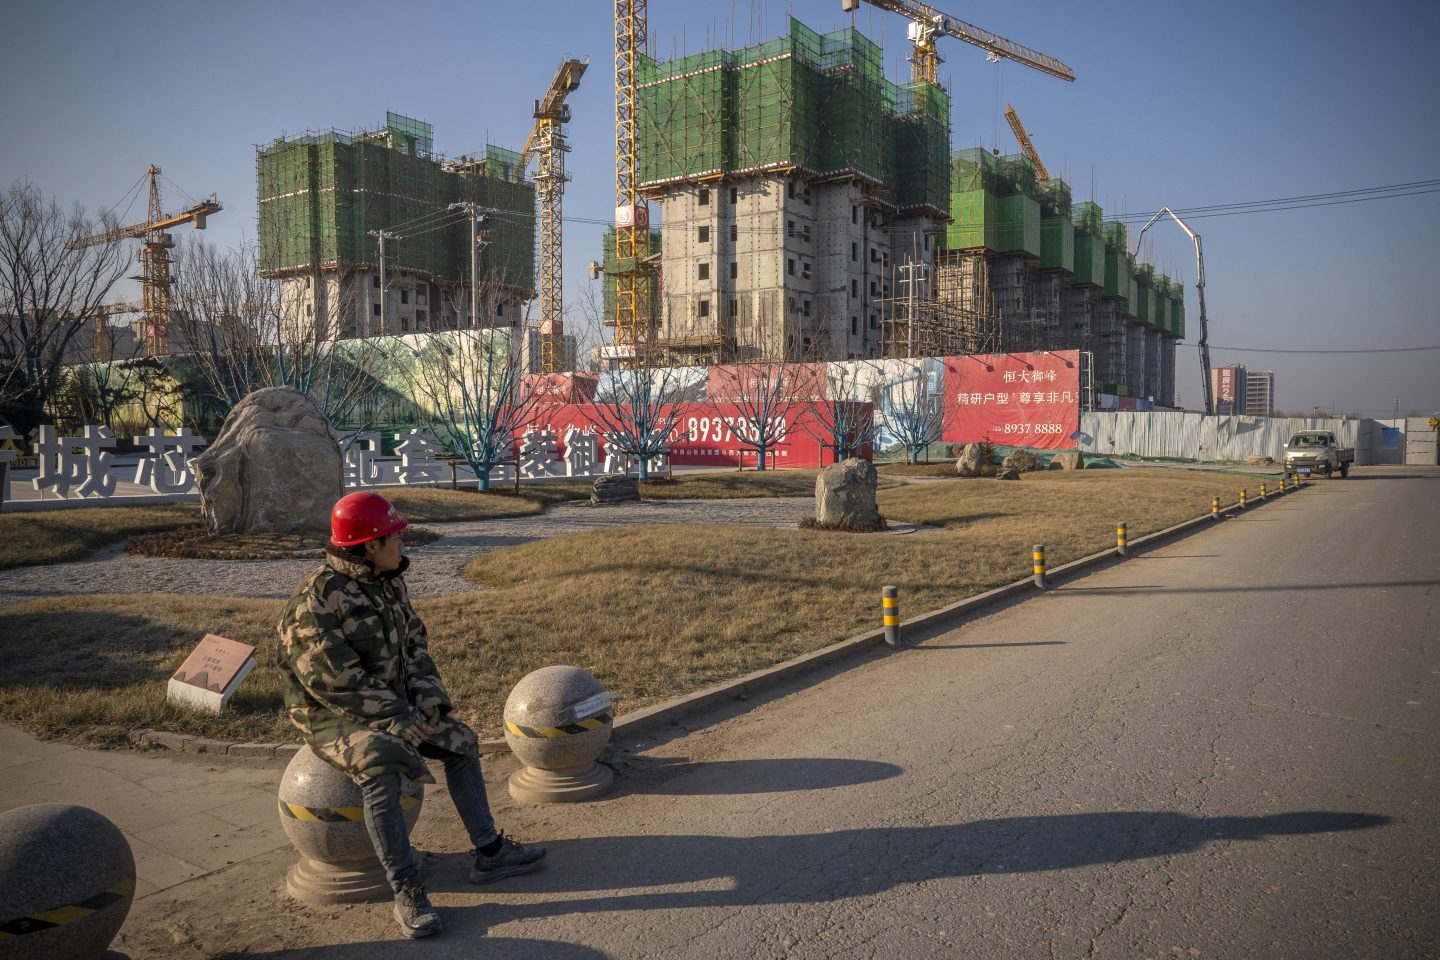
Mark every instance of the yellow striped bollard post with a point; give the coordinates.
(1262, 491)
(1214, 508)
(1242, 498)
(890, 607)
(1037, 554)
(1282, 483)
(1122, 540)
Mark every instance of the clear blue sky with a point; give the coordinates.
(1177, 103)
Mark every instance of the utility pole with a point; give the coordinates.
(473, 210)
(384, 287)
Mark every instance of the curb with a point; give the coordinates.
(672, 711)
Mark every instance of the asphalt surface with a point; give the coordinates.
(1225, 747)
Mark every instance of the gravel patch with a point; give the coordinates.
(435, 567)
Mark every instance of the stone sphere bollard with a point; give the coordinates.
(67, 878)
(322, 813)
(557, 720)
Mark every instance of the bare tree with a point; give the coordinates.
(637, 409)
(843, 417)
(765, 395)
(467, 383)
(51, 285)
(910, 412)
(238, 334)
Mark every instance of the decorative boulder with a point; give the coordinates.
(1007, 473)
(972, 458)
(67, 878)
(1023, 461)
(274, 468)
(1070, 460)
(845, 495)
(615, 490)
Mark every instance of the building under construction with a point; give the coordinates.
(812, 208)
(326, 198)
(791, 177)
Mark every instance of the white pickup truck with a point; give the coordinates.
(1316, 451)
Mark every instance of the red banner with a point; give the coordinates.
(705, 434)
(1013, 399)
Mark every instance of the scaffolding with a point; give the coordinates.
(321, 195)
(806, 103)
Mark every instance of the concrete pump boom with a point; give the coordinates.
(1199, 288)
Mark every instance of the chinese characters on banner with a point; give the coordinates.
(1013, 399)
(705, 434)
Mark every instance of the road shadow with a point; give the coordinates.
(824, 867)
(1153, 588)
(457, 940)
(679, 777)
(989, 646)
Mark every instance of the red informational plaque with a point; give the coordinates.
(211, 673)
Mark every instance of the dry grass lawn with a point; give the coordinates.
(55, 536)
(654, 611)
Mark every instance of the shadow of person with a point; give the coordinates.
(819, 867)
(677, 776)
(449, 943)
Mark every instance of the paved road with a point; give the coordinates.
(1222, 748)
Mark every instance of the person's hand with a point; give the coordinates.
(416, 733)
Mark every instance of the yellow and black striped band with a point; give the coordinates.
(569, 730)
(296, 811)
(60, 916)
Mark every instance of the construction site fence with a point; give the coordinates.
(1195, 436)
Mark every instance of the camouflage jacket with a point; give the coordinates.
(356, 667)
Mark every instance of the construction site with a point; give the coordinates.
(810, 208)
(347, 216)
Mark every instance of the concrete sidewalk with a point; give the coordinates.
(184, 818)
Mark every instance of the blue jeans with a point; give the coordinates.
(385, 821)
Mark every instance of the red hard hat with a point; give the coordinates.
(358, 517)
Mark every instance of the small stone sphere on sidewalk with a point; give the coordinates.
(322, 813)
(557, 721)
(67, 878)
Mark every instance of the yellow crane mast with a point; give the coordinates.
(1023, 138)
(155, 247)
(928, 24)
(548, 145)
(632, 214)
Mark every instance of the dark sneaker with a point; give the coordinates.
(511, 860)
(417, 918)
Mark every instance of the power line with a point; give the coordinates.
(1358, 350)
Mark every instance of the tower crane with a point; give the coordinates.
(928, 24)
(155, 246)
(632, 213)
(1199, 288)
(1026, 147)
(548, 146)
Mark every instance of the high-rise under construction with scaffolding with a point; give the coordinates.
(793, 179)
(809, 207)
(332, 202)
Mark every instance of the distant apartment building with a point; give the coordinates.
(329, 200)
(1260, 393)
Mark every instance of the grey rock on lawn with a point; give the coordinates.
(970, 462)
(1023, 461)
(274, 468)
(1070, 460)
(1007, 473)
(615, 490)
(845, 495)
